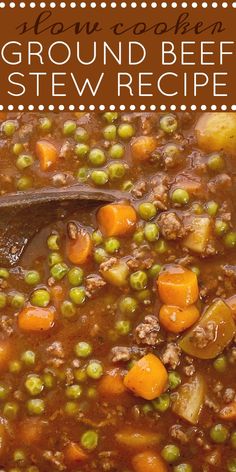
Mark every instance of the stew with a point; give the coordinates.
(117, 325)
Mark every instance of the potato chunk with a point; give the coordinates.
(213, 332)
(189, 401)
(199, 236)
(216, 132)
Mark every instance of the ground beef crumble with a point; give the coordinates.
(171, 355)
(147, 332)
(171, 226)
(202, 336)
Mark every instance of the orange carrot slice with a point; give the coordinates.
(147, 378)
(36, 319)
(178, 285)
(111, 384)
(6, 352)
(74, 453)
(47, 154)
(116, 219)
(149, 461)
(79, 248)
(177, 319)
(142, 148)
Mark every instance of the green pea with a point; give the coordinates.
(24, 183)
(83, 349)
(40, 298)
(36, 406)
(100, 255)
(233, 439)
(73, 391)
(147, 211)
(116, 151)
(91, 393)
(71, 408)
(147, 408)
(144, 296)
(97, 237)
(197, 209)
(171, 151)
(10, 410)
(109, 133)
(89, 440)
(161, 403)
(170, 453)
(97, 157)
(220, 364)
(45, 124)
(154, 271)
(14, 367)
(180, 196)
(81, 150)
(58, 271)
(80, 375)
(82, 174)
(123, 327)
(110, 116)
(53, 242)
(151, 232)
(196, 270)
(212, 208)
(68, 309)
(231, 465)
(99, 177)
(127, 186)
(216, 163)
(116, 171)
(161, 246)
(3, 300)
(230, 239)
(168, 123)
(81, 135)
(128, 305)
(4, 273)
(3, 392)
(138, 236)
(18, 455)
(18, 148)
(9, 128)
(48, 380)
(69, 128)
(75, 276)
(94, 370)
(28, 357)
(24, 161)
(138, 280)
(34, 385)
(174, 379)
(32, 277)
(77, 295)
(112, 245)
(126, 131)
(183, 468)
(54, 258)
(219, 433)
(221, 227)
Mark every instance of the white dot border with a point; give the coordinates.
(121, 107)
(116, 4)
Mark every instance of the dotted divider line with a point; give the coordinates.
(118, 107)
(123, 5)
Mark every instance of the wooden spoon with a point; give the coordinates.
(23, 215)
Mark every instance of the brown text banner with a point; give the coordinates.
(135, 58)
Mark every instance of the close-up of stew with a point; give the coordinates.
(117, 292)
